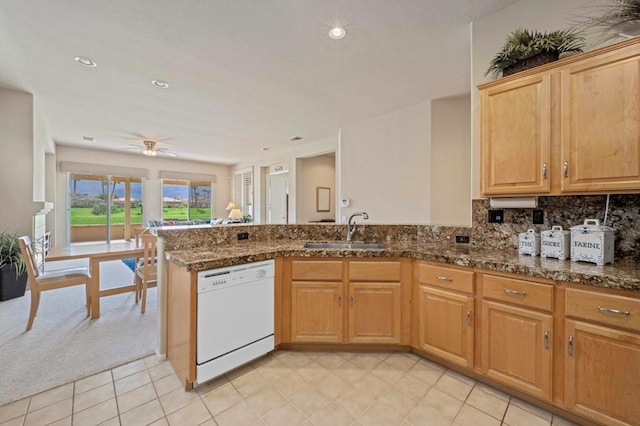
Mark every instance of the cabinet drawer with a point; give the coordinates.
(610, 309)
(316, 270)
(374, 271)
(518, 292)
(449, 278)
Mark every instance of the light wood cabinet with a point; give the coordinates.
(317, 299)
(515, 136)
(570, 127)
(316, 311)
(375, 312)
(444, 305)
(602, 362)
(349, 301)
(517, 338)
(600, 148)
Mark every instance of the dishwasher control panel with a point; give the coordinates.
(215, 279)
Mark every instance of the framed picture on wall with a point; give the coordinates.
(323, 199)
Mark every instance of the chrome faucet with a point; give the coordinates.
(351, 228)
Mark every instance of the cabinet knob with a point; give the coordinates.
(565, 169)
(546, 339)
(351, 300)
(441, 278)
(339, 301)
(469, 318)
(544, 170)
(570, 346)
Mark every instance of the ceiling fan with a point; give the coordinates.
(150, 149)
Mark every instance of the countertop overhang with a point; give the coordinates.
(616, 276)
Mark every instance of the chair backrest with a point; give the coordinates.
(29, 260)
(150, 261)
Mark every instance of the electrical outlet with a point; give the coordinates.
(464, 239)
(496, 216)
(538, 217)
(243, 236)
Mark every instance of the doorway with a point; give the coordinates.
(278, 198)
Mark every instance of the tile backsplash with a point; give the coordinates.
(566, 211)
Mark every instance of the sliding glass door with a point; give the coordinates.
(103, 208)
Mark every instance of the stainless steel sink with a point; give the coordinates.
(344, 246)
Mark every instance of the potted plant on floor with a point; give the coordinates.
(526, 49)
(13, 275)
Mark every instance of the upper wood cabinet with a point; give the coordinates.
(515, 136)
(600, 148)
(570, 127)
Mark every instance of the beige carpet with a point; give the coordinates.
(64, 344)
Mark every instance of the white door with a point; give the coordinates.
(278, 189)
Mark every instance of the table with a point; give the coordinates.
(98, 253)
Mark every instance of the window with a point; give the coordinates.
(183, 200)
(96, 201)
(243, 191)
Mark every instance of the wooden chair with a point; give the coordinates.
(42, 281)
(146, 274)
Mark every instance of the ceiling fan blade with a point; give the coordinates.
(167, 153)
(137, 148)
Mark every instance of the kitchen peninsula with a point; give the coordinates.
(562, 334)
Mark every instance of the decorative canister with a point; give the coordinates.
(529, 243)
(555, 243)
(592, 242)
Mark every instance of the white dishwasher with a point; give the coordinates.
(235, 317)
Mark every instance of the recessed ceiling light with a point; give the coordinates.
(88, 139)
(265, 148)
(85, 61)
(161, 84)
(337, 33)
(295, 138)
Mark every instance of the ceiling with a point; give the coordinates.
(244, 75)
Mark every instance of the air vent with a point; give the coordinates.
(295, 138)
(88, 139)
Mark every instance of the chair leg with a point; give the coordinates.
(136, 282)
(35, 301)
(144, 296)
(86, 289)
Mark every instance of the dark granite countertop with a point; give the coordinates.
(617, 276)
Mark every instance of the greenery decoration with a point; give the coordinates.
(617, 15)
(523, 44)
(10, 253)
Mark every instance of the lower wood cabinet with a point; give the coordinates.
(444, 306)
(517, 340)
(602, 362)
(316, 311)
(349, 301)
(602, 373)
(375, 312)
(516, 347)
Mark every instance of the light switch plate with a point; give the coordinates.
(345, 202)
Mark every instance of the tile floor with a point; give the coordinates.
(286, 388)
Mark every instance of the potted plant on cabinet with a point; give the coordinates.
(618, 18)
(526, 49)
(13, 275)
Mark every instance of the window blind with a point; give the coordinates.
(243, 191)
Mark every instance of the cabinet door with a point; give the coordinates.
(445, 325)
(600, 144)
(374, 313)
(602, 378)
(517, 347)
(515, 136)
(316, 311)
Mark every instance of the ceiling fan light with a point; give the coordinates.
(150, 152)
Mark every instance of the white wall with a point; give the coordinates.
(488, 36)
(317, 171)
(299, 150)
(16, 162)
(451, 161)
(384, 166)
(152, 188)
